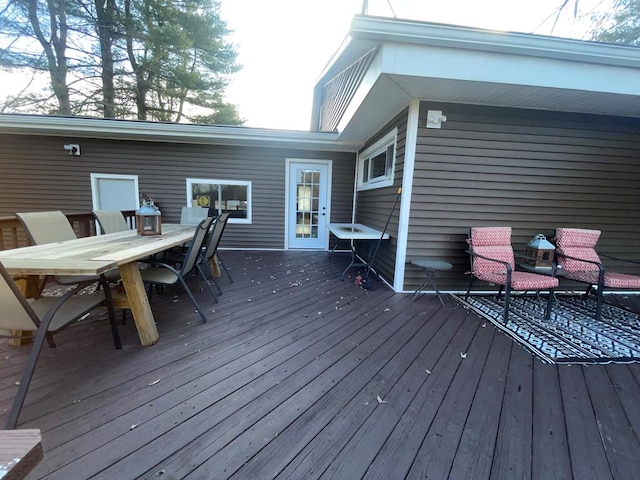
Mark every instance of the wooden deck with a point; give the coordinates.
(298, 375)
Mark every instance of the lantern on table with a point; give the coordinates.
(148, 218)
(540, 252)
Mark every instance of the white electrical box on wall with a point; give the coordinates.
(435, 119)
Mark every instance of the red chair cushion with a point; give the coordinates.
(578, 243)
(492, 242)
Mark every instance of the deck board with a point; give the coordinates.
(550, 455)
(282, 382)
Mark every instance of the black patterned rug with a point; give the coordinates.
(571, 335)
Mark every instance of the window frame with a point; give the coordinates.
(365, 162)
(210, 181)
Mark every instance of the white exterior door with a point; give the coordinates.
(308, 187)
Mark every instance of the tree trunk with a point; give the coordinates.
(55, 49)
(105, 13)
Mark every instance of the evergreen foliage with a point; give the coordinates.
(158, 60)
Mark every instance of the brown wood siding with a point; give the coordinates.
(531, 170)
(373, 207)
(37, 174)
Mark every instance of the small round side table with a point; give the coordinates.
(431, 269)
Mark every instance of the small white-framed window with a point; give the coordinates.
(231, 196)
(377, 163)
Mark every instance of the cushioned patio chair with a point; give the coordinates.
(163, 274)
(44, 317)
(111, 221)
(493, 261)
(50, 227)
(578, 260)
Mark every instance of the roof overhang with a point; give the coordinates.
(442, 63)
(80, 127)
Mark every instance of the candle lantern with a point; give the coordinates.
(540, 252)
(148, 219)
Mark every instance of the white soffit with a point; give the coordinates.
(461, 65)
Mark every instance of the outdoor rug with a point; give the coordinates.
(571, 335)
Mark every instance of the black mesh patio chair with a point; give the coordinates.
(164, 274)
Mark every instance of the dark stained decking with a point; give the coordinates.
(284, 380)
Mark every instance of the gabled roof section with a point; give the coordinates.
(444, 63)
(81, 127)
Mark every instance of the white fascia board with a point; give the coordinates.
(510, 69)
(431, 34)
(79, 127)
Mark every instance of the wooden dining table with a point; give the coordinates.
(99, 254)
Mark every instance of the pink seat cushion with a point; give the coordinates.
(521, 280)
(495, 242)
(621, 280)
(492, 242)
(578, 243)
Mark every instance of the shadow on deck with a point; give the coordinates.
(299, 375)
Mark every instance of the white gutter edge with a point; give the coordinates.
(423, 33)
(81, 127)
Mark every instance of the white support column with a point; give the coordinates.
(407, 187)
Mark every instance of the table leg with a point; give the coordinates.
(139, 303)
(31, 287)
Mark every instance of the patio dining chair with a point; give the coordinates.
(45, 317)
(111, 221)
(163, 274)
(493, 261)
(50, 227)
(209, 252)
(578, 260)
(193, 215)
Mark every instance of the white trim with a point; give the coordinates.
(411, 140)
(94, 184)
(329, 165)
(80, 127)
(95, 199)
(378, 147)
(214, 181)
(450, 36)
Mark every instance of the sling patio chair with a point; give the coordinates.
(493, 261)
(50, 227)
(209, 252)
(163, 274)
(578, 260)
(193, 215)
(45, 317)
(111, 221)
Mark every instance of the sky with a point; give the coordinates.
(284, 45)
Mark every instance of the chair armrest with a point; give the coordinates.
(155, 263)
(506, 264)
(625, 260)
(593, 262)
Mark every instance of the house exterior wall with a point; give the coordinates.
(374, 206)
(531, 170)
(37, 174)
